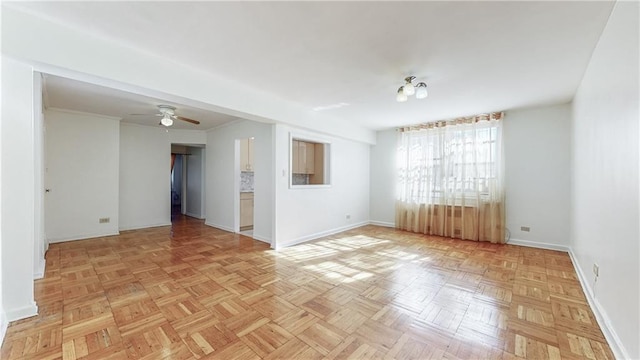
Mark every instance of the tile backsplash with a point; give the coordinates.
(300, 179)
(246, 181)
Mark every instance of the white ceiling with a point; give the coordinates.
(63, 93)
(475, 56)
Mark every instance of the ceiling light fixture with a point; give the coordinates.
(401, 97)
(408, 89)
(166, 120)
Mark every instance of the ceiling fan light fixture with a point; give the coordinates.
(421, 91)
(166, 120)
(167, 114)
(401, 97)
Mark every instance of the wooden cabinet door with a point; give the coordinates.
(246, 210)
(309, 158)
(246, 155)
(302, 157)
(295, 157)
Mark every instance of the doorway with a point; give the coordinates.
(247, 188)
(187, 181)
(177, 180)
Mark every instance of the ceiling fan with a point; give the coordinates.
(168, 115)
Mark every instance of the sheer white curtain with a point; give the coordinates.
(450, 178)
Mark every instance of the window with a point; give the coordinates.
(309, 162)
(450, 179)
(450, 165)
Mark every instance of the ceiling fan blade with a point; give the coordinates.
(145, 114)
(187, 120)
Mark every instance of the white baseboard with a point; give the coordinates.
(382, 223)
(539, 245)
(138, 227)
(317, 235)
(194, 215)
(38, 272)
(261, 238)
(81, 237)
(618, 349)
(22, 312)
(4, 324)
(221, 227)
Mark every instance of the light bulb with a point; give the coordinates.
(166, 121)
(401, 97)
(409, 89)
(421, 91)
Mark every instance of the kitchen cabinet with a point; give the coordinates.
(303, 157)
(309, 163)
(295, 157)
(246, 154)
(318, 176)
(246, 211)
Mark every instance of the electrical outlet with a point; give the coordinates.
(525, 228)
(104, 220)
(348, 217)
(596, 269)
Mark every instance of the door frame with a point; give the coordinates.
(41, 243)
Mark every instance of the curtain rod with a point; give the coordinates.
(456, 121)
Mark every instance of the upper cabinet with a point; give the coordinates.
(309, 151)
(246, 154)
(295, 159)
(303, 157)
(309, 163)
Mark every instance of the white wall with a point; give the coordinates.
(187, 137)
(195, 177)
(383, 178)
(3, 316)
(537, 144)
(81, 170)
(223, 177)
(18, 188)
(145, 177)
(605, 203)
(307, 213)
(4, 323)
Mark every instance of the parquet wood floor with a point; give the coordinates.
(192, 291)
